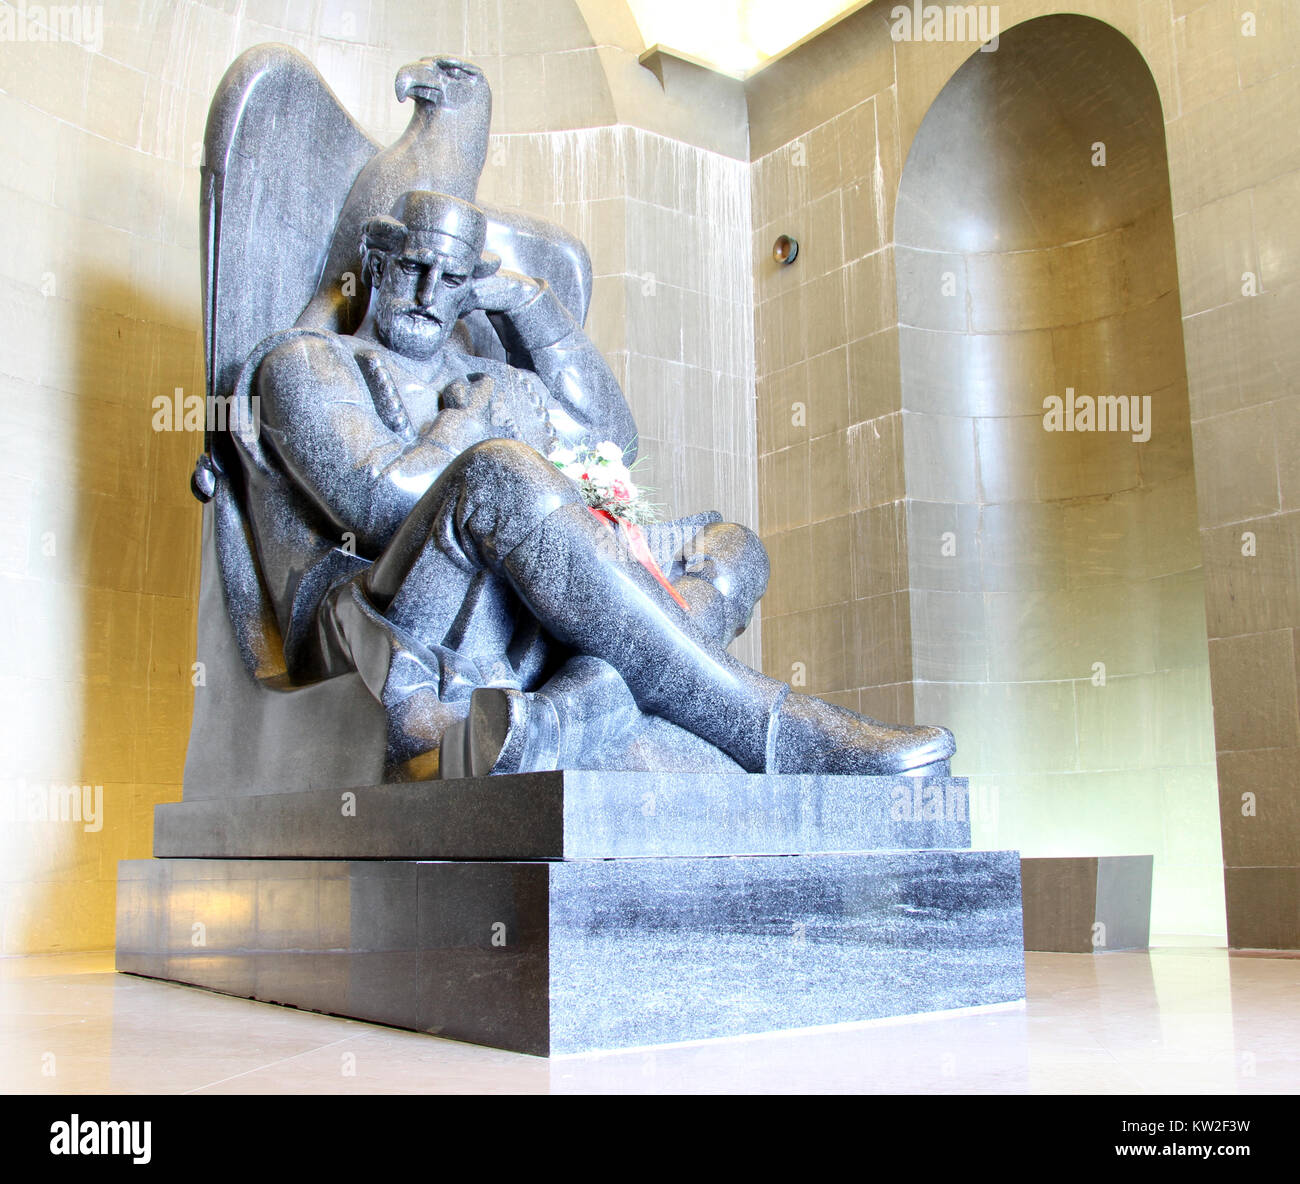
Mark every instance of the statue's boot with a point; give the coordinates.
(584, 708)
(503, 507)
(513, 731)
(813, 736)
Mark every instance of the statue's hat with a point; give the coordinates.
(440, 222)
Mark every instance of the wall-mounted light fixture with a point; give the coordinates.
(785, 249)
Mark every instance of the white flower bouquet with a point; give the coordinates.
(610, 493)
(606, 482)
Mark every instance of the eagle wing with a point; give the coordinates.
(280, 155)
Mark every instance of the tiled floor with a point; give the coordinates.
(1173, 1021)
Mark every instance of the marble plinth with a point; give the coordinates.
(1087, 904)
(575, 815)
(584, 954)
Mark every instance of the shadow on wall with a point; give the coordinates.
(114, 547)
(139, 544)
(1058, 620)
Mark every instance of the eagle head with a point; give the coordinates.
(441, 81)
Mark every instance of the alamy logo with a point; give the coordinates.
(84, 804)
(1106, 413)
(196, 413)
(927, 801)
(946, 22)
(80, 1136)
(82, 23)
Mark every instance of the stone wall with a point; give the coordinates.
(1230, 96)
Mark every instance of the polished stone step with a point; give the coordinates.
(575, 815)
(587, 954)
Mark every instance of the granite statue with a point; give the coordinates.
(389, 520)
(411, 571)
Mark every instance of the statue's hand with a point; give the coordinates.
(525, 406)
(504, 292)
(509, 408)
(474, 396)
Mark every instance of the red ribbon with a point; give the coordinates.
(641, 551)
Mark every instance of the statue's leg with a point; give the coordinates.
(585, 709)
(423, 691)
(503, 507)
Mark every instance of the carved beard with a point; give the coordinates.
(401, 326)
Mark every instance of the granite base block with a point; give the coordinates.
(568, 957)
(574, 814)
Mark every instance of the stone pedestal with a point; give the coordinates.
(568, 912)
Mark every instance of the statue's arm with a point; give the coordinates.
(538, 332)
(319, 419)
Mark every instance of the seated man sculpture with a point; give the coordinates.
(412, 528)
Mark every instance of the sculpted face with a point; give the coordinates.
(421, 263)
(423, 289)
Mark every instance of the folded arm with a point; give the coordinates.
(319, 418)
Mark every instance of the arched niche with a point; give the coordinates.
(1057, 603)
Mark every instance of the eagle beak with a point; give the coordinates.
(418, 80)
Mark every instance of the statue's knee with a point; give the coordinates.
(491, 460)
(510, 474)
(733, 559)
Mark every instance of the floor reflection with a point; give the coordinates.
(1173, 1021)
